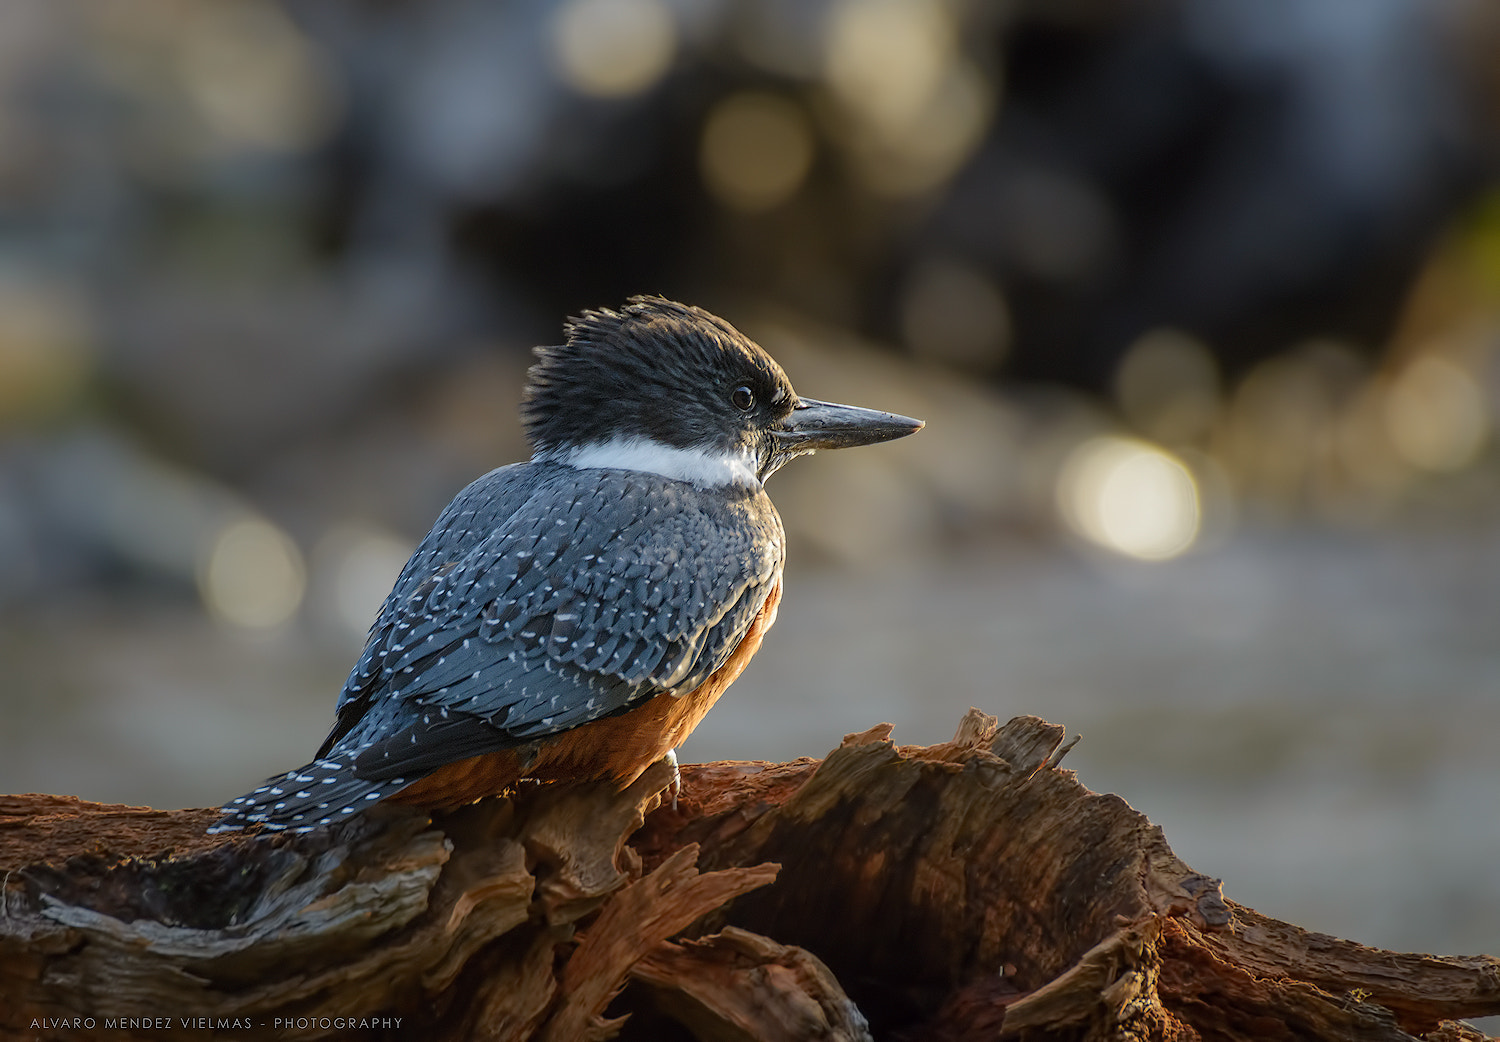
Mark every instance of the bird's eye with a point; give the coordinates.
(742, 398)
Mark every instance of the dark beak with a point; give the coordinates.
(823, 425)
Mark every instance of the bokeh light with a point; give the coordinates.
(929, 150)
(356, 563)
(613, 48)
(1435, 415)
(886, 58)
(253, 576)
(1130, 497)
(918, 108)
(952, 312)
(757, 150)
(45, 350)
(254, 78)
(1373, 472)
(1167, 385)
(1282, 433)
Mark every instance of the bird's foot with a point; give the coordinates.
(675, 785)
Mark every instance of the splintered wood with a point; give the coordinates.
(967, 890)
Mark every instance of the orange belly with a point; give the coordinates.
(620, 747)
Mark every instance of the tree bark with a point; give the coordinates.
(967, 890)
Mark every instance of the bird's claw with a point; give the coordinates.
(675, 785)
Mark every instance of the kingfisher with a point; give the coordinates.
(575, 616)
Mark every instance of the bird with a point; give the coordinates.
(575, 616)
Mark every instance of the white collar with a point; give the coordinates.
(701, 467)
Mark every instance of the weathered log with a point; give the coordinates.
(737, 986)
(966, 890)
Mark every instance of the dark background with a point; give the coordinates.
(1200, 300)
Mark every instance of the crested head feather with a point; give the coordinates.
(655, 369)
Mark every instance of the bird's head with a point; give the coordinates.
(673, 389)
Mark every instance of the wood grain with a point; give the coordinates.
(967, 890)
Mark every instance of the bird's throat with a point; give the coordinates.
(706, 468)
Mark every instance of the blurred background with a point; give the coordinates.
(1200, 300)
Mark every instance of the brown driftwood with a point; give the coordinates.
(966, 890)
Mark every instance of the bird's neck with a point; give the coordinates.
(702, 466)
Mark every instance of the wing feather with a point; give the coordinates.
(597, 591)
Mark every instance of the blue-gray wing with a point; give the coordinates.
(582, 594)
(466, 522)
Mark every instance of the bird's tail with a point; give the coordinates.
(322, 792)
